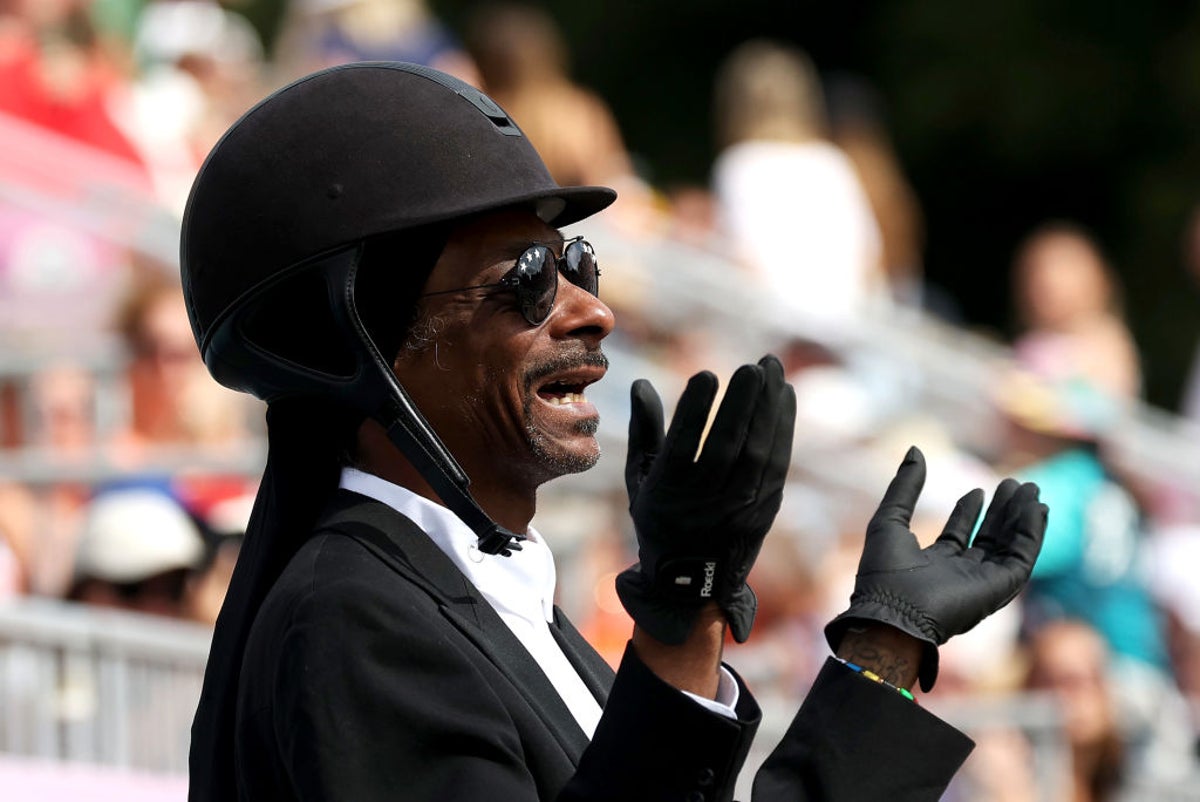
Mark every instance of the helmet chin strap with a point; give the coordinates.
(376, 391)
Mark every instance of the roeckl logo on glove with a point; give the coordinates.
(710, 571)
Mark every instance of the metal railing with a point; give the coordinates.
(81, 684)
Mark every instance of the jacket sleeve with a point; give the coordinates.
(854, 739)
(654, 743)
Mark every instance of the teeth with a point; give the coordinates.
(567, 398)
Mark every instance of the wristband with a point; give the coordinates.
(871, 675)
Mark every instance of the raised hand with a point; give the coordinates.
(701, 520)
(946, 589)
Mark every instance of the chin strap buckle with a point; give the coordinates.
(500, 541)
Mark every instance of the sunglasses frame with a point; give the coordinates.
(528, 302)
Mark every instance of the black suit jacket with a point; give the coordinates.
(375, 671)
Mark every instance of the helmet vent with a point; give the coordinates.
(488, 107)
(493, 112)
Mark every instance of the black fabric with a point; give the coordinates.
(701, 519)
(305, 438)
(947, 588)
(855, 740)
(645, 748)
(587, 662)
(401, 546)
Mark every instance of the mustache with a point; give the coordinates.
(564, 362)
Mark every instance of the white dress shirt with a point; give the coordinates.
(519, 588)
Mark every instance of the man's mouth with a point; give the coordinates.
(564, 381)
(558, 393)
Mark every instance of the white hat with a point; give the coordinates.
(130, 535)
(169, 31)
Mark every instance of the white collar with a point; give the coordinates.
(521, 585)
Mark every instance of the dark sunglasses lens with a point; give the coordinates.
(537, 283)
(580, 266)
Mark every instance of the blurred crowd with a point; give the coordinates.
(121, 484)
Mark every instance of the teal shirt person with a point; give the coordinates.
(1089, 566)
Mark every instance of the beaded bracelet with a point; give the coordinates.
(871, 675)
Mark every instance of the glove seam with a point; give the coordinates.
(907, 610)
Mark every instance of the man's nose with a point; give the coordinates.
(578, 313)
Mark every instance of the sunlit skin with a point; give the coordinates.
(1061, 282)
(477, 382)
(164, 358)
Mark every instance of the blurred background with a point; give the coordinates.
(976, 230)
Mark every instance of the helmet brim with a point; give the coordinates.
(559, 206)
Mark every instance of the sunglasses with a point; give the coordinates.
(534, 277)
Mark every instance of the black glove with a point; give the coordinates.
(700, 521)
(936, 593)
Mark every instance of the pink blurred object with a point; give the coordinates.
(28, 778)
(68, 211)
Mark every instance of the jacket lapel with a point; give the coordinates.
(596, 674)
(405, 548)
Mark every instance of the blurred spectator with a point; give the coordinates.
(223, 509)
(66, 165)
(1070, 660)
(692, 216)
(788, 199)
(40, 522)
(63, 412)
(54, 74)
(523, 66)
(1089, 565)
(324, 33)
(1001, 769)
(16, 530)
(200, 67)
(208, 586)
(135, 552)
(174, 403)
(173, 400)
(789, 647)
(1068, 305)
(834, 407)
(1174, 555)
(1092, 567)
(857, 127)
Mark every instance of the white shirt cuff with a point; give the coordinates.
(727, 696)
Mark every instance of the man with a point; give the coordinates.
(374, 250)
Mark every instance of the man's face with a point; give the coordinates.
(506, 397)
